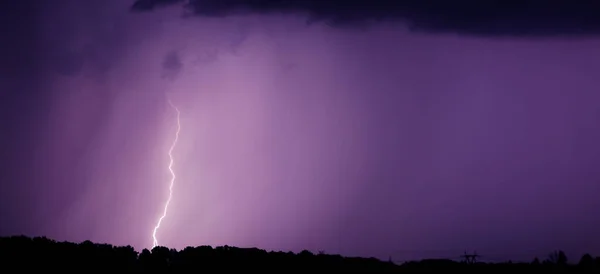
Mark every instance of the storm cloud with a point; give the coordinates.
(171, 65)
(527, 18)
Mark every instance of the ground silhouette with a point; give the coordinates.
(21, 254)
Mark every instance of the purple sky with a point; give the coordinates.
(373, 141)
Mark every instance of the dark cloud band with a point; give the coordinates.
(475, 17)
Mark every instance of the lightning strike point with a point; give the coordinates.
(173, 177)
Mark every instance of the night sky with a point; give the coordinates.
(411, 129)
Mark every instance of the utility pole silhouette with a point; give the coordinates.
(470, 258)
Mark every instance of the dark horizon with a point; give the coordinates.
(27, 247)
(363, 128)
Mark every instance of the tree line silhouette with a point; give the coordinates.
(21, 253)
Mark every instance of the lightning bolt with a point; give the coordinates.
(173, 177)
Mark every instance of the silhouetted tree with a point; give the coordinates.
(145, 260)
(161, 258)
(558, 258)
(586, 261)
